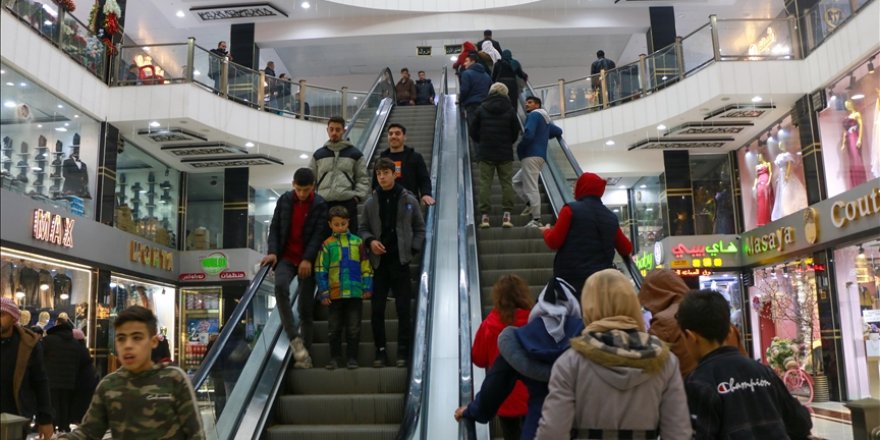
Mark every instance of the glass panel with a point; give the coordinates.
(623, 83)
(53, 161)
(152, 64)
(243, 84)
(354, 100)
(78, 42)
(662, 68)
(323, 103)
(713, 200)
(649, 215)
(204, 211)
(549, 95)
(697, 49)
(582, 95)
(822, 20)
(42, 17)
(384, 88)
(261, 216)
(279, 95)
(206, 68)
(754, 39)
(563, 172)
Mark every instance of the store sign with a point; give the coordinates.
(215, 263)
(53, 228)
(151, 256)
(775, 241)
(846, 212)
(645, 261)
(234, 275)
(763, 45)
(692, 272)
(680, 250)
(191, 277)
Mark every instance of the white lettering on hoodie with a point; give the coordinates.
(733, 386)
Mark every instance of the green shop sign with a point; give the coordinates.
(215, 263)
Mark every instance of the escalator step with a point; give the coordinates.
(320, 353)
(336, 409)
(341, 381)
(515, 261)
(320, 330)
(333, 432)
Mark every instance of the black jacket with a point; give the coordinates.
(732, 396)
(413, 174)
(495, 128)
(64, 357)
(591, 248)
(424, 91)
(29, 382)
(315, 231)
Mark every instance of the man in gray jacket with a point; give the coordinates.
(393, 231)
(341, 172)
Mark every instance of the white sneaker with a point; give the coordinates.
(505, 220)
(534, 224)
(300, 353)
(484, 223)
(526, 212)
(301, 365)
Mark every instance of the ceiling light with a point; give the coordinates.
(273, 198)
(10, 84)
(39, 125)
(155, 124)
(19, 294)
(304, 156)
(871, 66)
(355, 98)
(60, 106)
(852, 82)
(453, 58)
(616, 210)
(61, 129)
(9, 104)
(305, 5)
(609, 142)
(64, 297)
(2, 72)
(265, 221)
(23, 84)
(622, 186)
(643, 186)
(75, 116)
(181, 14)
(196, 72)
(38, 169)
(145, 49)
(757, 99)
(661, 127)
(857, 97)
(67, 124)
(249, 144)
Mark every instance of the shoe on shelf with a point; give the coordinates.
(534, 224)
(299, 349)
(484, 223)
(381, 358)
(305, 364)
(505, 220)
(332, 365)
(352, 364)
(526, 212)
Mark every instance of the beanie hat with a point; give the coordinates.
(78, 334)
(8, 306)
(498, 89)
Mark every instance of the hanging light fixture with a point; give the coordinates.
(852, 82)
(871, 66)
(862, 275)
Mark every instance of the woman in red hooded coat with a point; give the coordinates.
(466, 48)
(511, 301)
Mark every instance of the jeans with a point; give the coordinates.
(525, 183)
(391, 275)
(344, 312)
(505, 178)
(352, 206)
(285, 271)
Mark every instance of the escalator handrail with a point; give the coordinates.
(236, 316)
(379, 80)
(421, 339)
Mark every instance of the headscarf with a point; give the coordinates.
(490, 50)
(507, 55)
(555, 303)
(7, 305)
(610, 303)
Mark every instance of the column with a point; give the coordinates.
(805, 118)
(736, 188)
(241, 45)
(235, 208)
(105, 206)
(679, 194)
(830, 384)
(662, 31)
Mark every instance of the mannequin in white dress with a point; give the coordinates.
(790, 193)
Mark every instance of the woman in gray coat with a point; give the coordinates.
(616, 381)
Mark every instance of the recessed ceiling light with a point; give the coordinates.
(9, 104)
(196, 72)
(10, 84)
(61, 129)
(39, 125)
(23, 84)
(609, 142)
(249, 144)
(304, 156)
(75, 116)
(2, 72)
(355, 98)
(661, 127)
(858, 96)
(757, 99)
(155, 124)
(622, 186)
(67, 124)
(643, 186)
(181, 14)
(273, 198)
(60, 106)
(305, 5)
(145, 49)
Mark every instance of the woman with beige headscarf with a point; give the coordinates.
(615, 380)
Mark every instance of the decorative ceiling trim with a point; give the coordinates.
(249, 11)
(232, 161)
(681, 143)
(208, 149)
(740, 111)
(709, 128)
(171, 134)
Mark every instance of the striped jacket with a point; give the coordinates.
(343, 268)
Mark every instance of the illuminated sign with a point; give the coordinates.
(680, 250)
(645, 261)
(191, 277)
(150, 256)
(774, 241)
(53, 228)
(764, 44)
(215, 263)
(692, 272)
(845, 212)
(237, 275)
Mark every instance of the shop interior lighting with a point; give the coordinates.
(65, 297)
(852, 82)
(19, 294)
(19, 255)
(44, 287)
(857, 96)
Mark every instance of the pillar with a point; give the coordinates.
(105, 206)
(662, 31)
(241, 45)
(806, 121)
(235, 208)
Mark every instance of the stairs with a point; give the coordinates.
(366, 403)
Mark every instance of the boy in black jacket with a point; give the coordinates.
(410, 169)
(730, 395)
(299, 226)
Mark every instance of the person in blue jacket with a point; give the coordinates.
(475, 83)
(532, 152)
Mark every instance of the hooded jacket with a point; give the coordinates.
(475, 83)
(597, 393)
(30, 385)
(340, 171)
(410, 226)
(466, 48)
(413, 172)
(598, 233)
(661, 293)
(64, 357)
(495, 128)
(485, 351)
(538, 131)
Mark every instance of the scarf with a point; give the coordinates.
(623, 348)
(507, 55)
(624, 323)
(555, 303)
(489, 49)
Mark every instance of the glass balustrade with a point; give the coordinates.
(696, 50)
(150, 65)
(582, 95)
(661, 68)
(623, 83)
(755, 39)
(323, 102)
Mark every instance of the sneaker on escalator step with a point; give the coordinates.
(484, 223)
(381, 358)
(505, 220)
(300, 353)
(352, 364)
(526, 212)
(534, 224)
(332, 365)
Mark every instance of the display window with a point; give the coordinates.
(857, 270)
(850, 130)
(730, 286)
(261, 212)
(50, 148)
(46, 288)
(772, 175)
(713, 198)
(200, 321)
(204, 211)
(649, 211)
(147, 196)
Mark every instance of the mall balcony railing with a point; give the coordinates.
(785, 38)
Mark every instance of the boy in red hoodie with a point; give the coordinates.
(591, 249)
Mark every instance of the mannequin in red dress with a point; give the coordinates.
(763, 190)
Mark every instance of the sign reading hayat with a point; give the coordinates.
(53, 228)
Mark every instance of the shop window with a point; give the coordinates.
(729, 286)
(50, 148)
(616, 198)
(204, 211)
(713, 198)
(850, 130)
(147, 193)
(649, 201)
(260, 216)
(199, 324)
(772, 175)
(46, 289)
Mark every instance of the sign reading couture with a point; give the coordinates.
(53, 228)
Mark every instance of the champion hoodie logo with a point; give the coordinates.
(155, 396)
(733, 386)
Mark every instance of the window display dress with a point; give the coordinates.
(875, 144)
(790, 193)
(763, 195)
(853, 152)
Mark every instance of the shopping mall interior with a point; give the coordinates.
(739, 141)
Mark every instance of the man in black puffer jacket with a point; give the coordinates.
(495, 128)
(64, 357)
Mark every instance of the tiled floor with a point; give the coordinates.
(831, 421)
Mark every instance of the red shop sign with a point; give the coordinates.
(191, 276)
(232, 275)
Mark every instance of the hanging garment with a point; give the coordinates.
(763, 194)
(854, 153)
(791, 196)
(76, 178)
(47, 297)
(7, 281)
(63, 286)
(29, 281)
(723, 213)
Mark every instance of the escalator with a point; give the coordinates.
(246, 387)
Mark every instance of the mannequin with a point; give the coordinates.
(762, 190)
(25, 319)
(790, 193)
(199, 239)
(43, 320)
(875, 145)
(76, 174)
(852, 144)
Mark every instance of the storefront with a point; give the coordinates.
(810, 283)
